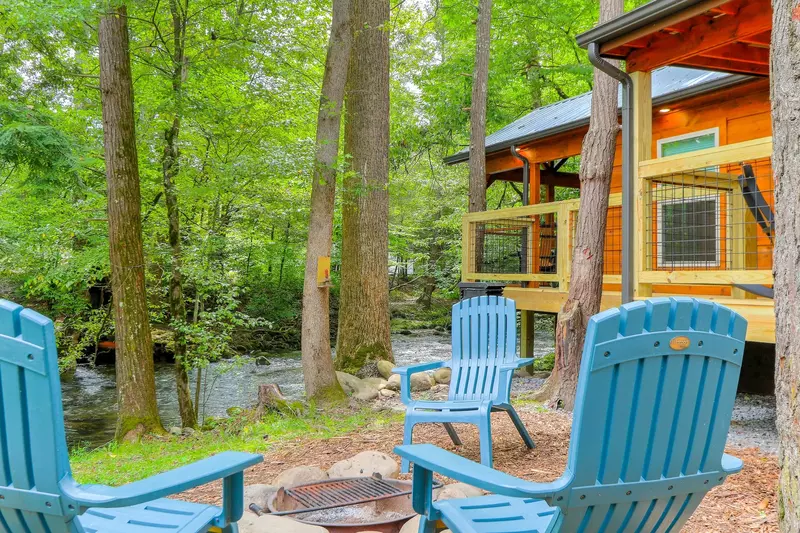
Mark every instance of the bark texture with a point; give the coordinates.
(586, 279)
(171, 167)
(785, 78)
(137, 410)
(477, 114)
(318, 372)
(364, 311)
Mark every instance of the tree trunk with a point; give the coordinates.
(318, 373)
(136, 391)
(586, 279)
(364, 312)
(785, 79)
(477, 114)
(170, 165)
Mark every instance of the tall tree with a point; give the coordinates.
(785, 79)
(137, 409)
(170, 169)
(318, 372)
(364, 311)
(586, 279)
(477, 113)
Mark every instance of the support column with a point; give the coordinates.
(527, 333)
(643, 150)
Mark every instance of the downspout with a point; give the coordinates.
(526, 174)
(628, 204)
(526, 183)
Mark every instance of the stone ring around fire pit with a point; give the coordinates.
(347, 505)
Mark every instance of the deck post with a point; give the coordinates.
(527, 333)
(643, 151)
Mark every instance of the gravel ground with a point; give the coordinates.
(753, 423)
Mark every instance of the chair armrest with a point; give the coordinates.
(405, 376)
(731, 464)
(224, 465)
(422, 367)
(431, 458)
(519, 363)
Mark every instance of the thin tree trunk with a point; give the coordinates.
(136, 392)
(170, 166)
(785, 79)
(364, 312)
(477, 114)
(586, 279)
(318, 372)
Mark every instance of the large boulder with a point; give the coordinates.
(376, 383)
(394, 382)
(442, 376)
(355, 387)
(258, 494)
(385, 368)
(299, 475)
(251, 523)
(421, 382)
(364, 465)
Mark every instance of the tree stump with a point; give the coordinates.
(270, 398)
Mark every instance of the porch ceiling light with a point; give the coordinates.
(665, 110)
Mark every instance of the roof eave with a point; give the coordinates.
(633, 20)
(722, 83)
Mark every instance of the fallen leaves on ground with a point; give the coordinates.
(746, 502)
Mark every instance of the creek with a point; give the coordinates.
(90, 394)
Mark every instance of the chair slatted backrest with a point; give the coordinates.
(655, 397)
(484, 336)
(33, 449)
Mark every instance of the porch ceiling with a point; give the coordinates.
(728, 36)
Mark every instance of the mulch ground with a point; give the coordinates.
(745, 502)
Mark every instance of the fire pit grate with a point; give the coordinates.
(338, 493)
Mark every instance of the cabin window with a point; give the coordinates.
(688, 233)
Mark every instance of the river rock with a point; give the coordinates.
(350, 383)
(364, 465)
(258, 494)
(457, 491)
(385, 368)
(366, 394)
(394, 382)
(299, 475)
(251, 523)
(421, 382)
(377, 383)
(175, 431)
(412, 526)
(442, 376)
(388, 393)
(541, 374)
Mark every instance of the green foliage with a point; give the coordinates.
(116, 464)
(546, 363)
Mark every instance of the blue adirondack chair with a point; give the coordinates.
(483, 363)
(37, 492)
(655, 394)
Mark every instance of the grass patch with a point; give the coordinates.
(117, 464)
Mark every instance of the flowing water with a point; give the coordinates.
(90, 395)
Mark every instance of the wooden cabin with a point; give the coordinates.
(703, 203)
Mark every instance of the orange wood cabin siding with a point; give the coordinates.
(741, 113)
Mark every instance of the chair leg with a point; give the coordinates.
(523, 431)
(427, 526)
(485, 431)
(451, 431)
(408, 431)
(231, 528)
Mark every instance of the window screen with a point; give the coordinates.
(688, 233)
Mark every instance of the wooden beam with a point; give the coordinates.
(752, 19)
(710, 157)
(642, 151)
(760, 39)
(725, 65)
(547, 177)
(740, 52)
(709, 277)
(671, 20)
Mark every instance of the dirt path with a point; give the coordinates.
(745, 503)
